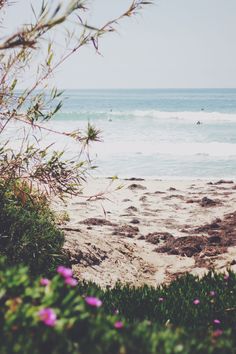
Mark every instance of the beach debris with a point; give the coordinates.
(214, 225)
(156, 237)
(191, 201)
(221, 234)
(143, 198)
(214, 239)
(222, 181)
(159, 192)
(184, 246)
(135, 221)
(135, 186)
(132, 209)
(126, 231)
(204, 259)
(172, 189)
(205, 202)
(142, 237)
(89, 255)
(134, 179)
(179, 196)
(97, 221)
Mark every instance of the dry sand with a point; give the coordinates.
(150, 231)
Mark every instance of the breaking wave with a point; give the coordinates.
(202, 116)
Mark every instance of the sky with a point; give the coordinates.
(171, 44)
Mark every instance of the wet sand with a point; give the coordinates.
(150, 231)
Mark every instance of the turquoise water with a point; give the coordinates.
(154, 133)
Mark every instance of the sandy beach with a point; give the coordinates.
(150, 231)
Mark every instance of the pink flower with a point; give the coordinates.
(71, 281)
(44, 281)
(48, 316)
(226, 277)
(212, 293)
(93, 301)
(217, 321)
(196, 302)
(64, 272)
(217, 333)
(118, 325)
(161, 299)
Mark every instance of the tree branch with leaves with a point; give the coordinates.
(32, 48)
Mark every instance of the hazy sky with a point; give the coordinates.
(172, 44)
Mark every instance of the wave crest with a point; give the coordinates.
(188, 116)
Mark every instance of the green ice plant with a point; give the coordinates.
(33, 48)
(62, 315)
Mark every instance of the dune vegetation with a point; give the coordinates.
(62, 315)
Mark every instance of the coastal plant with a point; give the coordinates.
(28, 231)
(27, 113)
(205, 303)
(62, 315)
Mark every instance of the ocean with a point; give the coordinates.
(155, 133)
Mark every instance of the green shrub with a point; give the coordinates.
(28, 232)
(72, 325)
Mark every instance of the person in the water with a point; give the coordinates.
(110, 120)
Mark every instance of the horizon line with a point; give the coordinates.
(150, 88)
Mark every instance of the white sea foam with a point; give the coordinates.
(126, 143)
(202, 116)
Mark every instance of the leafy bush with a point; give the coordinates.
(61, 316)
(28, 233)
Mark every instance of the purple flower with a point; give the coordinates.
(118, 325)
(64, 272)
(212, 293)
(196, 302)
(217, 333)
(44, 281)
(161, 299)
(217, 321)
(71, 281)
(48, 316)
(93, 301)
